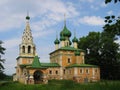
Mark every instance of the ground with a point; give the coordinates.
(62, 85)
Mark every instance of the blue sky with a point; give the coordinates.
(47, 18)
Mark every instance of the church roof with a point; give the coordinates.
(25, 65)
(82, 65)
(74, 39)
(36, 64)
(68, 48)
(50, 65)
(65, 32)
(56, 41)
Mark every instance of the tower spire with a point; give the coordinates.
(27, 47)
(74, 33)
(27, 35)
(64, 19)
(56, 35)
(27, 17)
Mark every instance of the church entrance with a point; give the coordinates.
(38, 77)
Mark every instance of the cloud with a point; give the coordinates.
(11, 43)
(48, 13)
(94, 7)
(87, 1)
(103, 4)
(92, 20)
(110, 12)
(42, 33)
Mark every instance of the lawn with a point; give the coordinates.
(62, 85)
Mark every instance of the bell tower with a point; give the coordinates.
(27, 47)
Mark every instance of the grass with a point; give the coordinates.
(62, 85)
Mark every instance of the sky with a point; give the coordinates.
(47, 18)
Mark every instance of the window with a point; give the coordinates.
(69, 71)
(29, 49)
(69, 61)
(64, 71)
(23, 49)
(50, 72)
(81, 71)
(95, 70)
(56, 72)
(87, 71)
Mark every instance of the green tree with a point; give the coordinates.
(91, 45)
(101, 50)
(2, 52)
(108, 1)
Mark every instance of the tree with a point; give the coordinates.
(101, 50)
(91, 45)
(2, 49)
(108, 1)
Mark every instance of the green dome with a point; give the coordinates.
(75, 39)
(56, 41)
(65, 32)
(62, 38)
(27, 17)
(77, 53)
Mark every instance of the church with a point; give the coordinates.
(66, 61)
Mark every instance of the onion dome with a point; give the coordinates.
(75, 39)
(77, 53)
(65, 32)
(27, 17)
(56, 41)
(62, 38)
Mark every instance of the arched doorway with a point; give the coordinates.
(38, 76)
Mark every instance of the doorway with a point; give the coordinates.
(38, 76)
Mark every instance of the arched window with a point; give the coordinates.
(29, 49)
(69, 61)
(50, 72)
(56, 72)
(23, 49)
(64, 71)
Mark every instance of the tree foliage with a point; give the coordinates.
(102, 50)
(2, 52)
(108, 1)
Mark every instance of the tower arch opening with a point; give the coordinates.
(29, 49)
(23, 49)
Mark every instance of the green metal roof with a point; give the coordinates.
(24, 65)
(36, 62)
(62, 38)
(68, 48)
(65, 32)
(24, 57)
(81, 65)
(75, 39)
(56, 41)
(50, 65)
